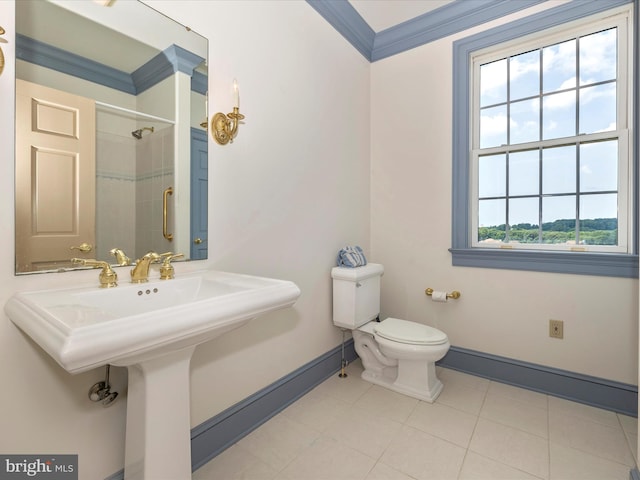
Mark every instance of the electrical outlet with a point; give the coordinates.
(556, 328)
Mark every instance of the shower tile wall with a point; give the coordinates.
(154, 173)
(131, 177)
(115, 194)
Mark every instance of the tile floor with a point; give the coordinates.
(477, 429)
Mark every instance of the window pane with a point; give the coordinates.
(598, 57)
(524, 173)
(524, 75)
(559, 115)
(492, 176)
(598, 219)
(598, 108)
(524, 125)
(559, 219)
(599, 166)
(493, 83)
(493, 126)
(524, 215)
(491, 220)
(559, 66)
(559, 170)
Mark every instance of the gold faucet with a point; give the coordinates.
(140, 273)
(108, 278)
(166, 270)
(121, 257)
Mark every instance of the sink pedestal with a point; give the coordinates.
(158, 436)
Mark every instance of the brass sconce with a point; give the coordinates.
(2, 54)
(225, 127)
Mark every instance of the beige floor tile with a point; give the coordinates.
(515, 413)
(347, 389)
(328, 459)
(513, 447)
(423, 456)
(386, 403)
(477, 467)
(568, 463)
(629, 424)
(235, 463)
(316, 409)
(444, 422)
(590, 437)
(462, 394)
(279, 441)
(530, 397)
(349, 429)
(586, 412)
(361, 430)
(460, 378)
(384, 472)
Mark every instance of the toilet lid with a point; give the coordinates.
(403, 331)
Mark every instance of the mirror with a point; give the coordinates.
(111, 134)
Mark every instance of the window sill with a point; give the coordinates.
(578, 263)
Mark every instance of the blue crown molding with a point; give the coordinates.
(45, 55)
(199, 83)
(348, 22)
(441, 22)
(173, 59)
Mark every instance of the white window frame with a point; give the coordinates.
(550, 23)
(619, 19)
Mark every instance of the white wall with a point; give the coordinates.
(283, 198)
(501, 312)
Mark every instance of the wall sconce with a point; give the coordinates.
(225, 127)
(2, 54)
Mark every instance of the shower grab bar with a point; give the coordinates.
(165, 234)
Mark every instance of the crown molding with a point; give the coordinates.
(347, 21)
(441, 22)
(173, 59)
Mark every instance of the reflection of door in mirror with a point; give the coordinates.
(55, 177)
(199, 194)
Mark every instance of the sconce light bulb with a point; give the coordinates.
(236, 93)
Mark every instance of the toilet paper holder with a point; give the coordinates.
(455, 294)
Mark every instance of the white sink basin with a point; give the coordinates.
(152, 329)
(84, 328)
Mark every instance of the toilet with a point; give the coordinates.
(396, 354)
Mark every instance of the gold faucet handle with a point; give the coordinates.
(108, 278)
(121, 257)
(166, 270)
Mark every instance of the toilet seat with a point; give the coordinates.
(412, 333)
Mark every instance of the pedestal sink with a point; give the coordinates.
(153, 329)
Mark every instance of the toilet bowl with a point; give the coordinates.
(396, 354)
(405, 362)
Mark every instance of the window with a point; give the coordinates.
(545, 157)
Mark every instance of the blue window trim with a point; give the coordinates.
(582, 263)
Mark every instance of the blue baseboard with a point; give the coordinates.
(215, 435)
(220, 432)
(597, 392)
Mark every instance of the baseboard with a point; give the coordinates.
(220, 432)
(597, 392)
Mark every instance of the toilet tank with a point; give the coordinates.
(356, 295)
